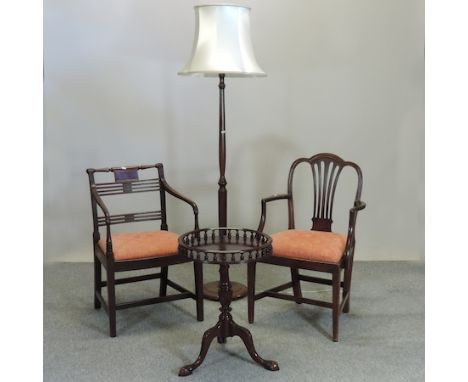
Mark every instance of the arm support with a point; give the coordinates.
(177, 195)
(358, 206)
(101, 204)
(105, 210)
(261, 225)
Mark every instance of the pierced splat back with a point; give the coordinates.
(326, 169)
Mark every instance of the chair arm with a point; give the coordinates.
(358, 206)
(178, 195)
(272, 198)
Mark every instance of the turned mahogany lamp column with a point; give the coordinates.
(222, 191)
(222, 48)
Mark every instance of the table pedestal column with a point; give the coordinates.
(226, 327)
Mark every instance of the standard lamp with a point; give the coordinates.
(222, 47)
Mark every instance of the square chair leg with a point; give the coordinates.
(347, 288)
(97, 282)
(296, 284)
(163, 282)
(336, 303)
(111, 303)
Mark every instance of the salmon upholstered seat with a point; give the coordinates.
(140, 245)
(324, 247)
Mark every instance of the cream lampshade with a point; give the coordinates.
(222, 43)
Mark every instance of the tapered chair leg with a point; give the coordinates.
(336, 303)
(347, 287)
(97, 282)
(163, 282)
(296, 284)
(111, 302)
(251, 269)
(198, 272)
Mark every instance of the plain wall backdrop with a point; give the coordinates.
(345, 77)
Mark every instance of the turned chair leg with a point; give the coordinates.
(198, 271)
(251, 268)
(296, 284)
(336, 303)
(97, 282)
(163, 282)
(111, 302)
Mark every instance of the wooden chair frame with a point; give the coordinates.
(127, 181)
(326, 169)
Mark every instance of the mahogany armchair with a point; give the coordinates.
(318, 249)
(120, 252)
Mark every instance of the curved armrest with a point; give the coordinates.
(272, 198)
(358, 206)
(177, 195)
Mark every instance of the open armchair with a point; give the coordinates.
(318, 249)
(119, 252)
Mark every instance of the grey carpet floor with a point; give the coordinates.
(381, 339)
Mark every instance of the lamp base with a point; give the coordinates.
(211, 290)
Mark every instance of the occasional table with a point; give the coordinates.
(225, 246)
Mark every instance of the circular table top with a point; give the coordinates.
(225, 245)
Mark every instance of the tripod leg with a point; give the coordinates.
(208, 337)
(246, 337)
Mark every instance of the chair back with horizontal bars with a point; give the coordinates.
(127, 180)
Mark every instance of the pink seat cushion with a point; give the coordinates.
(140, 245)
(318, 246)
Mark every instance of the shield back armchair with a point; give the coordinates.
(318, 249)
